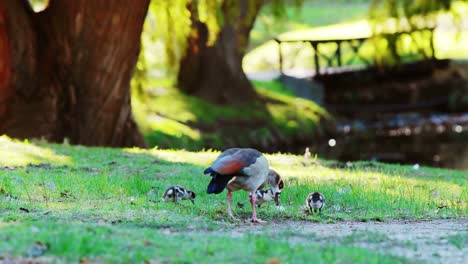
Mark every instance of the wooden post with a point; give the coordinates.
(338, 53)
(431, 42)
(280, 56)
(316, 58)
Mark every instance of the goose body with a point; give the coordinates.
(238, 169)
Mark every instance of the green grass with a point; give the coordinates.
(125, 243)
(459, 240)
(104, 204)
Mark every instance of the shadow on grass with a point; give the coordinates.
(276, 121)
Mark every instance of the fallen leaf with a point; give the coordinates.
(273, 261)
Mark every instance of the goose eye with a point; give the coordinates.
(280, 185)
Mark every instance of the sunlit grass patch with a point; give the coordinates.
(109, 202)
(17, 153)
(111, 179)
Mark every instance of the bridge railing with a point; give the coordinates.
(417, 44)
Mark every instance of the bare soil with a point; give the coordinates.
(425, 241)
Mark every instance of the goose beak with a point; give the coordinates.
(277, 195)
(192, 201)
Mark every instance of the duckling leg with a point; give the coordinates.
(229, 198)
(254, 213)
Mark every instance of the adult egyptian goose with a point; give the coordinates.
(238, 169)
(315, 201)
(176, 193)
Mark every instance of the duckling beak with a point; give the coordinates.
(277, 195)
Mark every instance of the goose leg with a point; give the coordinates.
(229, 198)
(254, 213)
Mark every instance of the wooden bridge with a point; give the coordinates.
(423, 48)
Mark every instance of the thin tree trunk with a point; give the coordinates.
(71, 68)
(215, 73)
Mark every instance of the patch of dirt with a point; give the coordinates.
(425, 241)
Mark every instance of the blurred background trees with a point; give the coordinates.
(69, 70)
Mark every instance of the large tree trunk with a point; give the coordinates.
(65, 72)
(215, 72)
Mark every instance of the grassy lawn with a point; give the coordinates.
(104, 205)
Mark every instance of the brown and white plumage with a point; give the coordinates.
(263, 196)
(238, 169)
(276, 185)
(176, 193)
(315, 202)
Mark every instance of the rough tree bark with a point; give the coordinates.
(215, 72)
(65, 72)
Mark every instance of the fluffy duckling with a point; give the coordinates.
(263, 196)
(315, 201)
(176, 193)
(276, 185)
